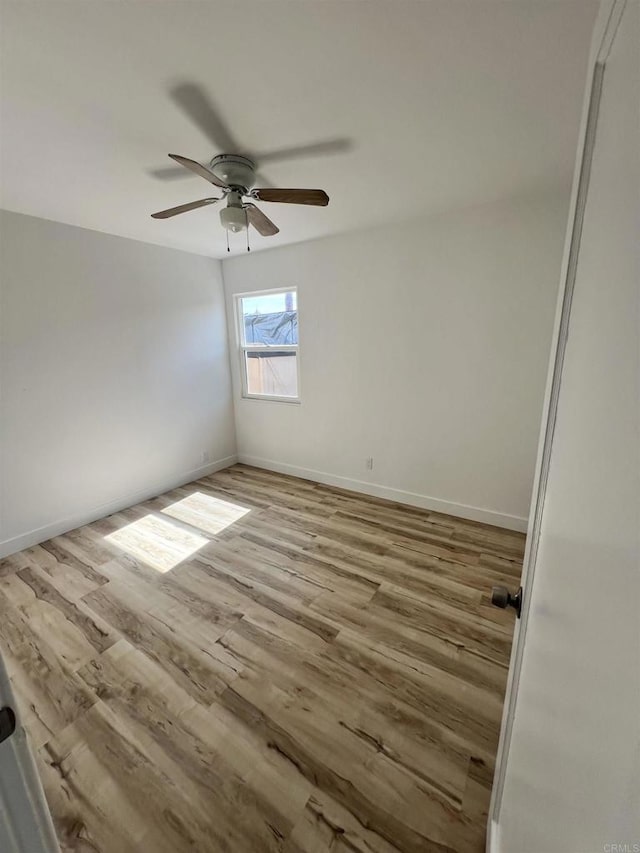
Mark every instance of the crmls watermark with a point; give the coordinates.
(622, 847)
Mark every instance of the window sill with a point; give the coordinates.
(271, 399)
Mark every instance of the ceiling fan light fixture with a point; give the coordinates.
(233, 218)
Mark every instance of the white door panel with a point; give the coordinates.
(572, 764)
(25, 822)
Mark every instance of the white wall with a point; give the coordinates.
(424, 345)
(115, 374)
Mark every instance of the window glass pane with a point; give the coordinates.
(266, 303)
(270, 319)
(272, 373)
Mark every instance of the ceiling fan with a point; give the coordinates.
(235, 175)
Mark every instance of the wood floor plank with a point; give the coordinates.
(325, 576)
(342, 767)
(210, 764)
(42, 652)
(189, 663)
(99, 637)
(352, 700)
(254, 662)
(59, 558)
(325, 825)
(286, 605)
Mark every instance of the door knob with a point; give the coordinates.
(501, 597)
(7, 723)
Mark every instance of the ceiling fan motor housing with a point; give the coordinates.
(234, 170)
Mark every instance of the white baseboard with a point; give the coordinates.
(473, 513)
(57, 528)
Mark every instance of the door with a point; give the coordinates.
(25, 823)
(568, 772)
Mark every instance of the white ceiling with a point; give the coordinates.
(445, 104)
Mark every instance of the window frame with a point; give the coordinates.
(244, 348)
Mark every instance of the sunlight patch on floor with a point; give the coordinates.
(157, 542)
(206, 512)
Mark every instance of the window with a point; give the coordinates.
(268, 335)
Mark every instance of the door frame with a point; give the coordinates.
(609, 16)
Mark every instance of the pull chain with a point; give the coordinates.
(246, 216)
(228, 249)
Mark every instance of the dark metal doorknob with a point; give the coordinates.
(501, 597)
(7, 723)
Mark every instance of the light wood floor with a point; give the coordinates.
(323, 673)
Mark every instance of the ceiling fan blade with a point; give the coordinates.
(168, 173)
(192, 99)
(260, 222)
(199, 169)
(317, 197)
(182, 208)
(314, 149)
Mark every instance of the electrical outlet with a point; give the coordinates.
(369, 463)
(204, 456)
